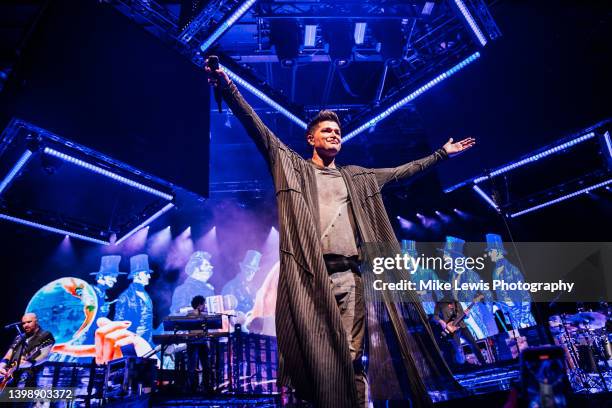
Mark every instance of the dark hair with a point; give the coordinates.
(322, 116)
(197, 301)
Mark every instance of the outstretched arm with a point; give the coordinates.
(264, 139)
(450, 149)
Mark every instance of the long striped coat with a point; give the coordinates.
(314, 354)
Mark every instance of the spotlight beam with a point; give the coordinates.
(410, 97)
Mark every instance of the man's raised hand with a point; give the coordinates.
(453, 149)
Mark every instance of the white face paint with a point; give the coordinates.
(495, 255)
(143, 278)
(203, 272)
(108, 281)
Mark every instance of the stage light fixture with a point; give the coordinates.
(106, 173)
(145, 223)
(359, 34)
(389, 33)
(606, 137)
(562, 198)
(15, 170)
(285, 37)
(265, 98)
(226, 24)
(51, 229)
(427, 8)
(310, 35)
(340, 41)
(411, 97)
(486, 197)
(471, 22)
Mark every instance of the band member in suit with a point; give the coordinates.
(447, 310)
(29, 350)
(135, 304)
(516, 304)
(198, 270)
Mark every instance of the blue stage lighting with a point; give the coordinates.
(359, 34)
(52, 229)
(265, 98)
(536, 157)
(606, 137)
(471, 22)
(106, 173)
(485, 196)
(527, 160)
(411, 97)
(310, 35)
(145, 223)
(562, 198)
(226, 24)
(15, 170)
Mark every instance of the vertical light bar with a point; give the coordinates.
(310, 35)
(411, 97)
(51, 229)
(107, 173)
(145, 223)
(486, 197)
(606, 137)
(226, 24)
(15, 170)
(471, 22)
(562, 198)
(359, 34)
(265, 98)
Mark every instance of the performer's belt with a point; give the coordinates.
(340, 263)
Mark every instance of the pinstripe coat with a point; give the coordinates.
(314, 353)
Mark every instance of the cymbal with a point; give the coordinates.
(587, 320)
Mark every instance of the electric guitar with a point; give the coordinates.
(10, 368)
(452, 325)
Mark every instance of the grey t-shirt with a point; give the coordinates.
(337, 228)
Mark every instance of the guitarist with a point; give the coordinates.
(445, 312)
(22, 354)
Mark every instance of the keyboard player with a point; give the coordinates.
(197, 354)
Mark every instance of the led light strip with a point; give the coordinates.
(486, 197)
(52, 229)
(106, 173)
(265, 98)
(15, 170)
(562, 198)
(145, 223)
(226, 24)
(411, 97)
(471, 22)
(536, 157)
(606, 137)
(524, 161)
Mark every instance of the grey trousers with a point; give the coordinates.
(347, 287)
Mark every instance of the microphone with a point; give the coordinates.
(213, 63)
(8, 326)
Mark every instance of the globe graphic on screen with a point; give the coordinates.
(65, 307)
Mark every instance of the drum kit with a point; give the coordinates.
(586, 339)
